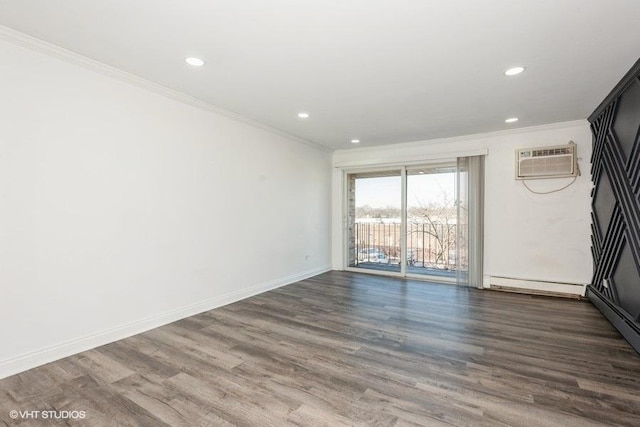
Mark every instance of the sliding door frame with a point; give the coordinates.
(345, 218)
(403, 219)
(405, 208)
(403, 222)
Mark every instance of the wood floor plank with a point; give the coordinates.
(100, 366)
(171, 408)
(236, 404)
(353, 349)
(104, 406)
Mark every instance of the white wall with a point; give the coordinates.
(122, 209)
(527, 236)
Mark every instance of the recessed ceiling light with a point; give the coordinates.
(513, 71)
(355, 141)
(196, 62)
(303, 115)
(511, 120)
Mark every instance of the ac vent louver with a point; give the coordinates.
(546, 162)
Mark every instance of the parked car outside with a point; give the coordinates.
(380, 258)
(411, 258)
(371, 255)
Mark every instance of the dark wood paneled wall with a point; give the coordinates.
(615, 170)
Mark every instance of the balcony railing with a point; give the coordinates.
(429, 245)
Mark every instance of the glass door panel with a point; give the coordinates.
(431, 221)
(375, 220)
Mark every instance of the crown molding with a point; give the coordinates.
(475, 136)
(55, 51)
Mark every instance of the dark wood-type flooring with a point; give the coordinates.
(353, 349)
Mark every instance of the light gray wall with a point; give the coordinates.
(527, 236)
(122, 209)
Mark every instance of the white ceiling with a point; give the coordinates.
(382, 71)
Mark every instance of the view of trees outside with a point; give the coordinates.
(431, 221)
(431, 218)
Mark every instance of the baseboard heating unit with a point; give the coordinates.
(537, 287)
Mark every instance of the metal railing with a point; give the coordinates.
(429, 245)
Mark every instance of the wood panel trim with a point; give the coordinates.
(617, 90)
(622, 322)
(615, 286)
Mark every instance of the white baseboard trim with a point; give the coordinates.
(541, 287)
(46, 355)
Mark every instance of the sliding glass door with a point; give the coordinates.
(374, 224)
(432, 221)
(417, 221)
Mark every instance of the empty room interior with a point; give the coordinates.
(320, 213)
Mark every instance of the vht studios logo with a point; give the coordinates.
(48, 415)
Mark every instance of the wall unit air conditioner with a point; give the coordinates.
(559, 161)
